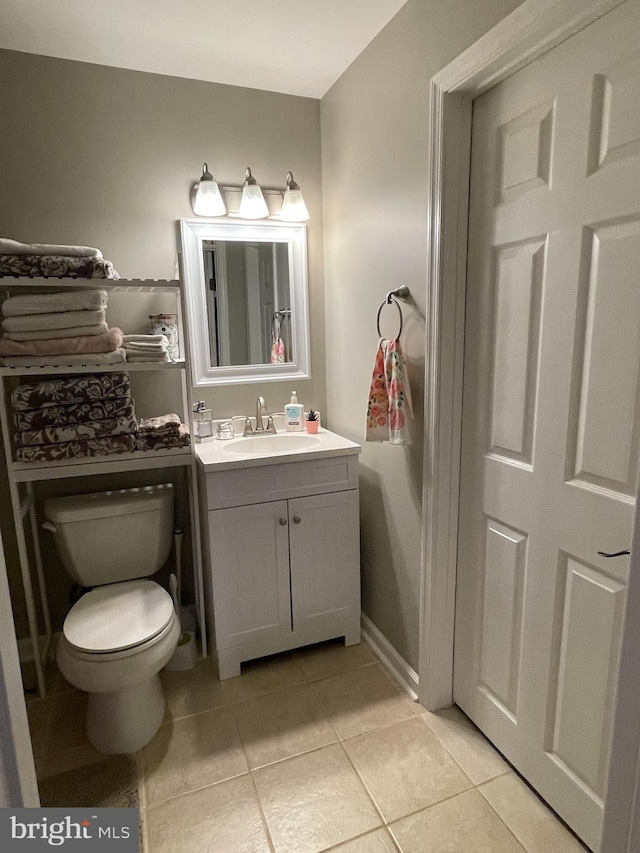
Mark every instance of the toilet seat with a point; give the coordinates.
(119, 620)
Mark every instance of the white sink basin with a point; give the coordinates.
(265, 445)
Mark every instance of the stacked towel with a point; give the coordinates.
(162, 433)
(44, 259)
(147, 348)
(49, 329)
(83, 416)
(74, 417)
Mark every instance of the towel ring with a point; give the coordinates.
(402, 293)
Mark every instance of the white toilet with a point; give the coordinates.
(120, 634)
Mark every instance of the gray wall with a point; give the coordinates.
(106, 157)
(375, 164)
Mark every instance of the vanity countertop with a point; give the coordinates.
(255, 451)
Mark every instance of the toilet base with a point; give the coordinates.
(125, 721)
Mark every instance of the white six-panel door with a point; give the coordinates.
(551, 423)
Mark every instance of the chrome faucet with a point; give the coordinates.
(260, 407)
(260, 428)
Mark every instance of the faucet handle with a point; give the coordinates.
(271, 427)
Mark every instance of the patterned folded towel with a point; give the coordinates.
(118, 356)
(51, 334)
(50, 266)
(389, 395)
(14, 247)
(165, 442)
(162, 425)
(76, 432)
(106, 342)
(74, 413)
(91, 388)
(44, 303)
(77, 449)
(57, 320)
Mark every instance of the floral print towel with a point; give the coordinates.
(105, 446)
(92, 387)
(389, 396)
(56, 265)
(76, 432)
(76, 413)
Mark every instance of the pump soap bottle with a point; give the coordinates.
(294, 414)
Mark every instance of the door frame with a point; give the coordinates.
(527, 33)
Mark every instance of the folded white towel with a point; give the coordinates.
(145, 347)
(44, 303)
(53, 334)
(146, 339)
(116, 357)
(58, 320)
(13, 247)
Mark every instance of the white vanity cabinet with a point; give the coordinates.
(283, 549)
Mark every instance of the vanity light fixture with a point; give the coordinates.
(293, 207)
(252, 205)
(208, 200)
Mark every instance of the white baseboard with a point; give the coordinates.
(397, 666)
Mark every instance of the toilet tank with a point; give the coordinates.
(108, 537)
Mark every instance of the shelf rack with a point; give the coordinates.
(21, 473)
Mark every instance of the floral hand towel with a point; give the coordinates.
(389, 396)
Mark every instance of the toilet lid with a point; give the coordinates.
(118, 616)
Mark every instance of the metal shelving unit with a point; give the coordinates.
(21, 476)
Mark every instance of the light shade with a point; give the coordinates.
(293, 207)
(252, 205)
(208, 201)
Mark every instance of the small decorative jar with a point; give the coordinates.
(167, 325)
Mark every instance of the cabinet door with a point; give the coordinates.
(250, 573)
(324, 554)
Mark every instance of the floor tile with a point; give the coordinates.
(534, 825)
(333, 657)
(405, 768)
(314, 801)
(473, 752)
(264, 676)
(463, 824)
(363, 699)
(70, 760)
(281, 725)
(374, 842)
(223, 818)
(194, 690)
(192, 752)
(67, 726)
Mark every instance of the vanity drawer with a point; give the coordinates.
(251, 485)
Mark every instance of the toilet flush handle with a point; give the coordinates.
(48, 525)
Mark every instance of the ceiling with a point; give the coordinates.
(299, 47)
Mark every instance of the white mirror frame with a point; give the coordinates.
(194, 232)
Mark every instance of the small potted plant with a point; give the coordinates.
(312, 421)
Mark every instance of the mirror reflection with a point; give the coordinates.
(248, 298)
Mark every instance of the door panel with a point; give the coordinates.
(324, 548)
(256, 597)
(551, 415)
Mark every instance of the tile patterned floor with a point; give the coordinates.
(311, 751)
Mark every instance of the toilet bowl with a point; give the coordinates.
(120, 634)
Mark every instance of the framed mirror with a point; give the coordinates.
(246, 299)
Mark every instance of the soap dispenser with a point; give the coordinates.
(294, 414)
(203, 422)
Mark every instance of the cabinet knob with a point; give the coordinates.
(283, 521)
(296, 519)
